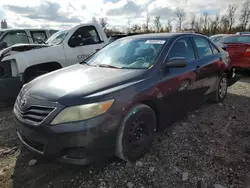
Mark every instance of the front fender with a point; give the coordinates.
(37, 56)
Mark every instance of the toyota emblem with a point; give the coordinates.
(23, 102)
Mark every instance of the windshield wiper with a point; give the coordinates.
(109, 66)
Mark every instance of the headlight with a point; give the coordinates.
(82, 112)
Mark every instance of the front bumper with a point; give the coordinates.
(75, 143)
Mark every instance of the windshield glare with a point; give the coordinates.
(57, 38)
(127, 53)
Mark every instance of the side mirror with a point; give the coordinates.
(74, 42)
(176, 62)
(3, 45)
(224, 47)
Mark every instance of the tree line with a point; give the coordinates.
(205, 23)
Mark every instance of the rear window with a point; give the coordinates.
(236, 39)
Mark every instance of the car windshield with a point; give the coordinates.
(57, 38)
(236, 39)
(128, 53)
(1, 33)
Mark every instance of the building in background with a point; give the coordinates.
(3, 24)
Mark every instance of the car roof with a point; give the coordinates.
(14, 29)
(217, 35)
(162, 35)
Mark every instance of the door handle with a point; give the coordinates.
(198, 68)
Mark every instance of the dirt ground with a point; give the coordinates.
(210, 147)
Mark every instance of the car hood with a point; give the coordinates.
(19, 48)
(78, 82)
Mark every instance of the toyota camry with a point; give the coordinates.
(115, 101)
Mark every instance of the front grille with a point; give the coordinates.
(34, 114)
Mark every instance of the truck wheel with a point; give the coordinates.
(136, 133)
(221, 89)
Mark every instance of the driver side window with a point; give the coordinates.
(182, 48)
(83, 36)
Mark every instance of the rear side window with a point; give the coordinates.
(203, 47)
(15, 37)
(182, 48)
(236, 39)
(38, 36)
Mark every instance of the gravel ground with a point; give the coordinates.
(210, 147)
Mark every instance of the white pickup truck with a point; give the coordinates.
(22, 62)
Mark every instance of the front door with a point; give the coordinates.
(180, 87)
(84, 41)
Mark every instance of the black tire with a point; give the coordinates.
(136, 133)
(220, 94)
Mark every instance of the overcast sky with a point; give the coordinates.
(65, 13)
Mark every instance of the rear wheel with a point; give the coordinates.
(136, 133)
(221, 89)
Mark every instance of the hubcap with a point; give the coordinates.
(223, 87)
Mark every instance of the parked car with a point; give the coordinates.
(21, 63)
(9, 37)
(216, 38)
(115, 101)
(238, 47)
(243, 33)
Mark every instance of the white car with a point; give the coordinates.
(21, 63)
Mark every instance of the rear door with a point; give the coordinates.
(180, 87)
(84, 41)
(209, 62)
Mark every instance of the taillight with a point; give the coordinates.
(247, 52)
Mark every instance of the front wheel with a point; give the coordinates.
(221, 89)
(136, 133)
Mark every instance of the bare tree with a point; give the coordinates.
(231, 16)
(103, 22)
(224, 23)
(193, 18)
(245, 15)
(94, 19)
(157, 23)
(169, 27)
(205, 21)
(215, 24)
(147, 22)
(181, 16)
(128, 25)
(135, 28)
